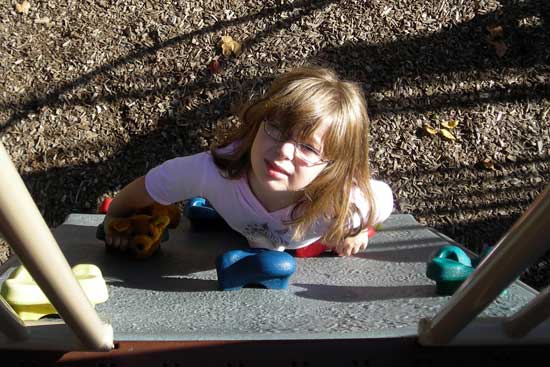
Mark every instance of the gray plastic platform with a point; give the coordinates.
(382, 292)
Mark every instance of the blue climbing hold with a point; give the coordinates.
(203, 216)
(199, 208)
(239, 268)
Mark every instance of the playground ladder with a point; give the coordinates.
(525, 242)
(32, 241)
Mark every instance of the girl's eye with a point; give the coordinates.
(274, 130)
(309, 149)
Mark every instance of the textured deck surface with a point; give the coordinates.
(173, 296)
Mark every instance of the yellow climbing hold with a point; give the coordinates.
(30, 303)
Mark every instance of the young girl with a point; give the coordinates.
(295, 171)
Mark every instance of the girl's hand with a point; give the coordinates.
(112, 238)
(133, 196)
(352, 245)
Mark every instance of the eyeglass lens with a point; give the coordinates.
(304, 151)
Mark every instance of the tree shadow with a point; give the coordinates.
(475, 207)
(421, 253)
(457, 197)
(55, 97)
(143, 149)
(453, 52)
(333, 293)
(185, 263)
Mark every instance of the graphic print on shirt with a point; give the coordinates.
(262, 233)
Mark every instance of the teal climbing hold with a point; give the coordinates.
(449, 268)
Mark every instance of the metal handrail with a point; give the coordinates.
(521, 246)
(31, 239)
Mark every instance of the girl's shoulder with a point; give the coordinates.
(380, 187)
(382, 197)
(194, 165)
(229, 148)
(377, 187)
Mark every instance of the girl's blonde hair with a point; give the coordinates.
(301, 100)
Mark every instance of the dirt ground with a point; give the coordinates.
(95, 93)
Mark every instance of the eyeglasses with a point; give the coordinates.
(304, 152)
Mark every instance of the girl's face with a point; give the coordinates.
(277, 175)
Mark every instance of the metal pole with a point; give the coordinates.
(526, 241)
(532, 314)
(34, 244)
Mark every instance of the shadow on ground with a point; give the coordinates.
(451, 53)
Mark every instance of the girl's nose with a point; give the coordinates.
(288, 149)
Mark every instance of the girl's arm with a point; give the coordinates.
(383, 198)
(132, 197)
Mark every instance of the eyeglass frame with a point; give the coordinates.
(297, 152)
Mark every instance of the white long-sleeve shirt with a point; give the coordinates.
(182, 178)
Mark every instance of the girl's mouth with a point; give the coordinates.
(275, 171)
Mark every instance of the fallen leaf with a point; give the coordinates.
(229, 46)
(447, 134)
(450, 124)
(495, 31)
(215, 66)
(23, 8)
(430, 130)
(487, 163)
(500, 48)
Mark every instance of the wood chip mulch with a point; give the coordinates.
(95, 93)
